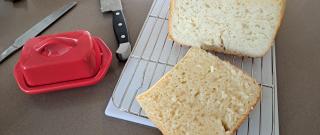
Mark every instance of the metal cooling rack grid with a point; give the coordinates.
(154, 55)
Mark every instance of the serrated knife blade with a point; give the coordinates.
(35, 30)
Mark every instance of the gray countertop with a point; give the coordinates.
(81, 110)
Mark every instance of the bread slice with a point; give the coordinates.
(201, 95)
(240, 27)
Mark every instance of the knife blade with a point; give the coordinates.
(35, 30)
(119, 27)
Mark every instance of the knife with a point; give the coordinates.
(119, 27)
(35, 30)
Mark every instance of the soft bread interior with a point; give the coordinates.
(241, 27)
(200, 95)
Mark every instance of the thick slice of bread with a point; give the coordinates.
(240, 27)
(201, 95)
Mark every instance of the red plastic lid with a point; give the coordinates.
(61, 61)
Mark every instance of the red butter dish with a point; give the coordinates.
(61, 61)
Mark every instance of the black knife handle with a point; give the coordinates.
(119, 27)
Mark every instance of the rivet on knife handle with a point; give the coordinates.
(120, 29)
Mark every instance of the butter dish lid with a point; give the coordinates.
(61, 61)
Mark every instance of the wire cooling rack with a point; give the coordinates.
(154, 55)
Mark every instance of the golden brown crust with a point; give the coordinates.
(242, 119)
(153, 119)
(171, 8)
(220, 49)
(246, 114)
(282, 11)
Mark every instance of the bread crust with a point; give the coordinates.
(171, 8)
(140, 98)
(220, 49)
(231, 131)
(246, 114)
